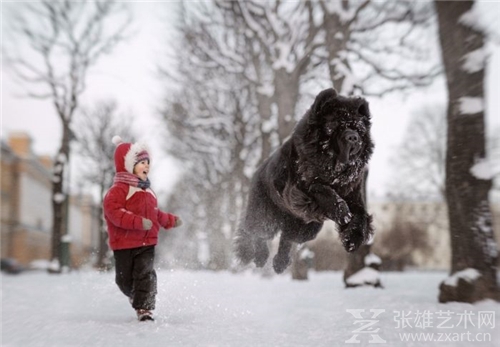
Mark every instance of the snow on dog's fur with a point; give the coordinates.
(317, 174)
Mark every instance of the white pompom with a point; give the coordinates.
(117, 140)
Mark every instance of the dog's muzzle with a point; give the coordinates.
(349, 144)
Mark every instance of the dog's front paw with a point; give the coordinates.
(351, 241)
(356, 233)
(280, 263)
(341, 214)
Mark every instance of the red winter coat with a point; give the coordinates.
(124, 208)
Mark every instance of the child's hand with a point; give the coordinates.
(146, 224)
(178, 222)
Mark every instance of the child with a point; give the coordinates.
(133, 220)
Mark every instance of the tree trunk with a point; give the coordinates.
(102, 256)
(363, 259)
(218, 244)
(59, 200)
(102, 263)
(287, 91)
(474, 250)
(264, 107)
(336, 40)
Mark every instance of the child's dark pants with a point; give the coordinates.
(135, 275)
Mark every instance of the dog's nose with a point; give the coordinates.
(351, 136)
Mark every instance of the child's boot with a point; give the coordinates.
(144, 315)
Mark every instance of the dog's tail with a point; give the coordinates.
(244, 246)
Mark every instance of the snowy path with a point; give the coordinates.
(223, 309)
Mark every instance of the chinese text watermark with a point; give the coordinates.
(422, 325)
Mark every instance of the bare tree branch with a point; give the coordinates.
(67, 38)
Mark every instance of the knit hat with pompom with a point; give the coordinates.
(129, 154)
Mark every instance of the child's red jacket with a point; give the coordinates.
(124, 208)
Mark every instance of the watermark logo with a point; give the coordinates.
(444, 319)
(367, 326)
(486, 319)
(424, 326)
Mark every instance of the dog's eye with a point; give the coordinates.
(331, 127)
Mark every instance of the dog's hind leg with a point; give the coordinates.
(244, 247)
(261, 252)
(282, 258)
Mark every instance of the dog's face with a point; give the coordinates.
(344, 125)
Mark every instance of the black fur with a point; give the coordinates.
(315, 175)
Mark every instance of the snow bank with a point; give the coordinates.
(470, 275)
(366, 275)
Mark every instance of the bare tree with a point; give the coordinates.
(473, 273)
(375, 47)
(418, 171)
(418, 166)
(419, 162)
(96, 126)
(242, 61)
(209, 129)
(63, 40)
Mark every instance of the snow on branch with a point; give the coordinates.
(395, 78)
(482, 169)
(346, 11)
(387, 13)
(383, 47)
(285, 31)
(475, 61)
(472, 19)
(470, 105)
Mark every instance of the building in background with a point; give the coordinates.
(408, 235)
(26, 217)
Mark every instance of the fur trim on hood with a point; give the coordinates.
(129, 154)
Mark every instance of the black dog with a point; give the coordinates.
(315, 175)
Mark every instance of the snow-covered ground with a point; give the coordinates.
(224, 309)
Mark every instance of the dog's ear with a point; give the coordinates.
(363, 109)
(322, 98)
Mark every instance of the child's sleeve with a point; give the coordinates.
(115, 211)
(166, 220)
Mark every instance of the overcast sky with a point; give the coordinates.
(129, 76)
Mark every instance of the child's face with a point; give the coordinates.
(141, 169)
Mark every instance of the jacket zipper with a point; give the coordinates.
(145, 214)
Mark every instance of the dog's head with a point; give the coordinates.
(343, 124)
